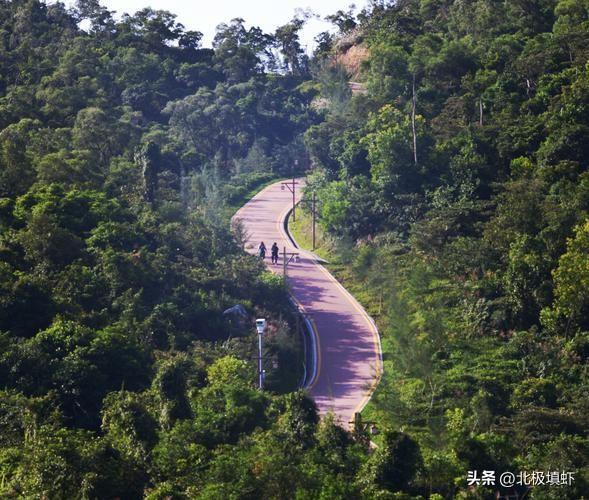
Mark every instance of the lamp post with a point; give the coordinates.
(260, 327)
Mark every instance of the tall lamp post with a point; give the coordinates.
(260, 327)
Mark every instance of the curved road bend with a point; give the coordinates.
(349, 354)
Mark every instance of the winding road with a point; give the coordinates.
(349, 359)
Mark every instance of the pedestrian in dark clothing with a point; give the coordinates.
(262, 251)
(274, 253)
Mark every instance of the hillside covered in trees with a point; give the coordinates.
(121, 149)
(453, 186)
(455, 190)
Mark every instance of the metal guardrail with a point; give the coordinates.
(309, 348)
(310, 356)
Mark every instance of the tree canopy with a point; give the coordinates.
(452, 186)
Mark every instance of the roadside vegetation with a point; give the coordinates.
(124, 150)
(452, 198)
(453, 192)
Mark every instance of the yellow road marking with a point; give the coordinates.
(317, 343)
(349, 297)
(373, 330)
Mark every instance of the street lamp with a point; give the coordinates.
(260, 327)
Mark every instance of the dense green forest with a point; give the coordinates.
(453, 186)
(455, 190)
(122, 149)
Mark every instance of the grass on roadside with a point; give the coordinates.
(302, 232)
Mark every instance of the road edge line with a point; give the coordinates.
(355, 304)
(311, 328)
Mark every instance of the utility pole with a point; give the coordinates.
(291, 187)
(413, 108)
(294, 217)
(314, 216)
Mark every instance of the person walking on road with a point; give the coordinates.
(262, 251)
(274, 253)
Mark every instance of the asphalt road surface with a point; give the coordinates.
(349, 355)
